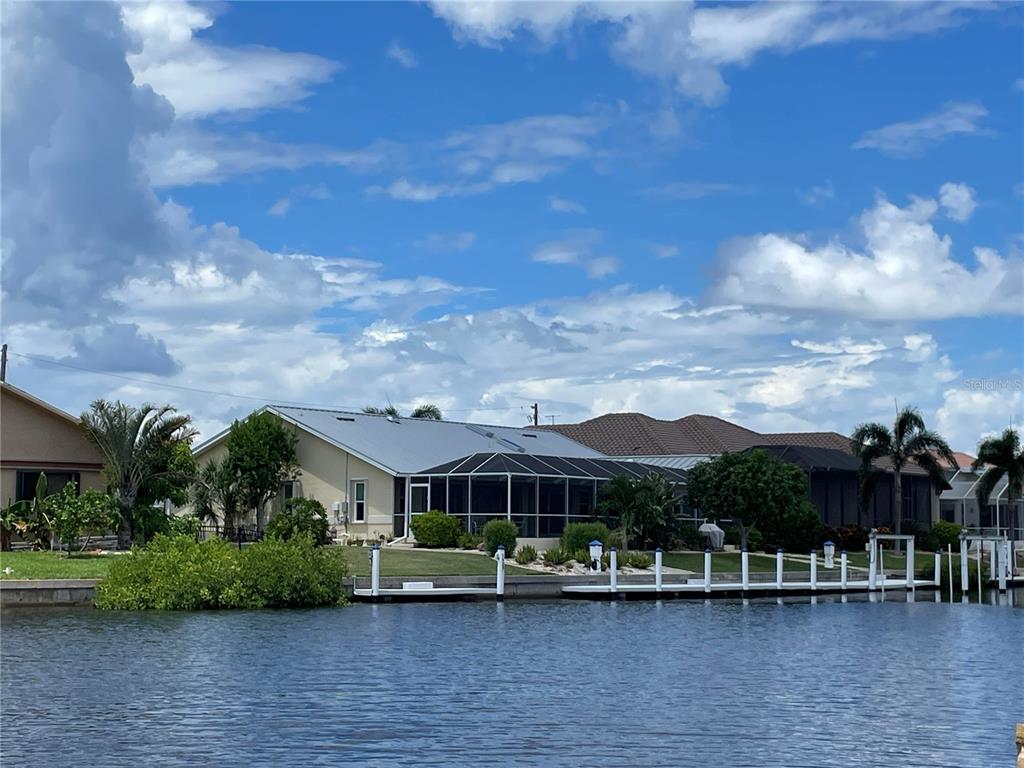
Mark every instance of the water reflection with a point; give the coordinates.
(756, 682)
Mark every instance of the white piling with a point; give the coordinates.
(613, 567)
(778, 569)
(814, 570)
(375, 571)
(979, 573)
(745, 569)
(842, 570)
(937, 575)
(1003, 558)
(910, 564)
(657, 570)
(964, 580)
(993, 546)
(872, 564)
(949, 568)
(499, 591)
(707, 570)
(881, 568)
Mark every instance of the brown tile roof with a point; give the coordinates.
(636, 434)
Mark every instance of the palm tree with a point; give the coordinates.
(387, 410)
(1003, 457)
(427, 411)
(908, 441)
(130, 440)
(216, 489)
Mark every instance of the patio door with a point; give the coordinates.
(419, 502)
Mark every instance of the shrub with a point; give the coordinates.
(436, 529)
(173, 573)
(73, 515)
(497, 532)
(292, 573)
(470, 541)
(179, 573)
(556, 556)
(689, 538)
(754, 538)
(852, 538)
(184, 525)
(579, 535)
(946, 533)
(636, 559)
(526, 555)
(581, 556)
(301, 517)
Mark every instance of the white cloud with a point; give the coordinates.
(906, 270)
(201, 78)
(967, 415)
(819, 193)
(280, 207)
(405, 57)
(564, 205)
(283, 205)
(665, 250)
(919, 346)
(957, 200)
(913, 137)
(601, 266)
(446, 242)
(694, 190)
(689, 46)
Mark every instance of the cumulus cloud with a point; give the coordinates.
(969, 414)
(689, 46)
(664, 250)
(283, 205)
(564, 205)
(957, 200)
(122, 347)
(397, 52)
(905, 270)
(576, 247)
(913, 137)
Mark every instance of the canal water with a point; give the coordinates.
(521, 684)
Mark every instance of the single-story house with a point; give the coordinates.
(959, 503)
(827, 457)
(36, 437)
(374, 473)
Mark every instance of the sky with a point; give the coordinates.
(793, 216)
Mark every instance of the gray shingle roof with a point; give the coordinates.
(408, 446)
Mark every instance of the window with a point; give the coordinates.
(55, 482)
(291, 489)
(358, 501)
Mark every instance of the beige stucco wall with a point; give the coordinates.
(35, 438)
(327, 475)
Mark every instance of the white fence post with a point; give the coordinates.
(657, 570)
(814, 570)
(910, 564)
(778, 569)
(375, 571)
(745, 569)
(842, 570)
(613, 566)
(707, 570)
(500, 589)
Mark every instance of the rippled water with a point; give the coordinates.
(546, 684)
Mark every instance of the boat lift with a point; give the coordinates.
(1000, 558)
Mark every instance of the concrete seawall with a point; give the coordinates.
(47, 592)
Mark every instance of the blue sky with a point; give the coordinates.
(786, 215)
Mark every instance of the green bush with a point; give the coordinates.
(688, 538)
(497, 532)
(526, 555)
(579, 535)
(301, 517)
(470, 541)
(947, 534)
(635, 559)
(581, 556)
(754, 538)
(179, 573)
(184, 525)
(436, 529)
(292, 573)
(556, 556)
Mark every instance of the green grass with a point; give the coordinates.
(52, 565)
(427, 562)
(726, 562)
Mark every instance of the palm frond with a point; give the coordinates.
(936, 472)
(987, 484)
(925, 444)
(872, 438)
(908, 421)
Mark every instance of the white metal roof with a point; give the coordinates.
(407, 446)
(682, 461)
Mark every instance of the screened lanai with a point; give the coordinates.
(540, 494)
(959, 504)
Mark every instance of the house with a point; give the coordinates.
(37, 437)
(826, 457)
(959, 503)
(374, 473)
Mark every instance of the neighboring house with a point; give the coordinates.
(37, 437)
(375, 473)
(827, 457)
(959, 503)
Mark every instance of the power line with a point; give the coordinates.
(215, 393)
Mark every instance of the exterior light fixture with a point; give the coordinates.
(596, 551)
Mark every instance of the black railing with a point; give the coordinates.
(240, 534)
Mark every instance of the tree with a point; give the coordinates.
(301, 517)
(216, 490)
(754, 489)
(31, 518)
(138, 445)
(89, 514)
(425, 411)
(644, 508)
(1002, 457)
(261, 456)
(908, 441)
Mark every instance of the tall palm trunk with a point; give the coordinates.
(124, 531)
(897, 485)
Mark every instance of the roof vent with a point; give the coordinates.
(392, 419)
(344, 418)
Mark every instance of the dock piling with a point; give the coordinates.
(657, 570)
(613, 567)
(937, 576)
(375, 571)
(814, 570)
(842, 570)
(778, 569)
(500, 588)
(910, 564)
(964, 580)
(707, 569)
(745, 569)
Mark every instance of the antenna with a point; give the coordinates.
(552, 417)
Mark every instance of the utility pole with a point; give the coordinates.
(3, 363)
(535, 408)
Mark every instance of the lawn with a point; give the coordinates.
(726, 562)
(52, 565)
(427, 562)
